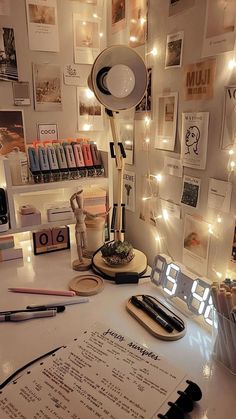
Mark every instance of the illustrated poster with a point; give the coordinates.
(47, 87)
(194, 139)
(12, 134)
(138, 22)
(127, 138)
(118, 15)
(5, 7)
(196, 244)
(90, 111)
(220, 29)
(199, 80)
(228, 135)
(42, 25)
(191, 191)
(174, 50)
(8, 61)
(166, 121)
(178, 6)
(144, 108)
(86, 39)
(129, 190)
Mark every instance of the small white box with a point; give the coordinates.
(29, 219)
(60, 214)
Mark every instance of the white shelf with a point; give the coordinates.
(37, 227)
(38, 187)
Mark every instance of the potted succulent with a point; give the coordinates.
(117, 253)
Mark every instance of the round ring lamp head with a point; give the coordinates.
(118, 78)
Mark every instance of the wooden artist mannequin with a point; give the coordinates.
(77, 205)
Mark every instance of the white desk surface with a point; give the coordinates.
(23, 341)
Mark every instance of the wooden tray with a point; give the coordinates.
(154, 328)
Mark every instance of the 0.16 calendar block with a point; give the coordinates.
(51, 240)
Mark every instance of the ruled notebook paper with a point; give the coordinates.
(102, 374)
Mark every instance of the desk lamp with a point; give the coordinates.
(118, 79)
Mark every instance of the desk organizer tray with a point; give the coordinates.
(154, 328)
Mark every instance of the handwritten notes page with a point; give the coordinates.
(102, 374)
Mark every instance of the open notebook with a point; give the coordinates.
(102, 374)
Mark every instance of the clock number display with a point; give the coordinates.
(199, 296)
(171, 278)
(157, 269)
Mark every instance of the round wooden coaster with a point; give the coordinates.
(150, 324)
(86, 284)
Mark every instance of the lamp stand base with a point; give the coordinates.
(137, 264)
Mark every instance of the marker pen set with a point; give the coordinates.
(51, 162)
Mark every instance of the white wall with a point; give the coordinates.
(139, 232)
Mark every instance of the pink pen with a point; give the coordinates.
(43, 291)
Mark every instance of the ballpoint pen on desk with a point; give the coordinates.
(65, 293)
(177, 323)
(16, 317)
(151, 313)
(60, 303)
(59, 309)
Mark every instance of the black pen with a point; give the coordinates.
(176, 323)
(147, 309)
(59, 309)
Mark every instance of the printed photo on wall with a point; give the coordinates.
(47, 87)
(118, 15)
(138, 23)
(12, 134)
(129, 190)
(127, 138)
(220, 27)
(219, 195)
(178, 6)
(194, 139)
(167, 106)
(149, 204)
(86, 39)
(228, 133)
(144, 108)
(174, 50)
(191, 191)
(196, 244)
(233, 253)
(199, 80)
(90, 111)
(42, 25)
(8, 62)
(4, 7)
(76, 75)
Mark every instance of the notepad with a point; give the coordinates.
(102, 374)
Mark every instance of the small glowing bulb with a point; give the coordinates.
(219, 219)
(89, 94)
(86, 127)
(231, 152)
(157, 238)
(219, 274)
(101, 34)
(232, 64)
(210, 229)
(147, 140)
(165, 214)
(133, 39)
(145, 198)
(128, 142)
(95, 15)
(29, 248)
(142, 20)
(84, 23)
(232, 164)
(158, 177)
(154, 51)
(159, 216)
(147, 120)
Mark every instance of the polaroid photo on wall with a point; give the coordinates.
(42, 25)
(138, 23)
(178, 6)
(144, 108)
(12, 132)
(8, 61)
(127, 138)
(129, 190)
(174, 50)
(196, 244)
(220, 27)
(86, 39)
(118, 15)
(194, 139)
(90, 111)
(47, 87)
(228, 132)
(167, 106)
(191, 191)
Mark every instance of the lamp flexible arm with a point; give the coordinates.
(119, 158)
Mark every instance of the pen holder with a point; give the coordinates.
(224, 338)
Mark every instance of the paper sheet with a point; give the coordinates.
(129, 190)
(103, 374)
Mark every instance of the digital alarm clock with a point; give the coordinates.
(179, 284)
